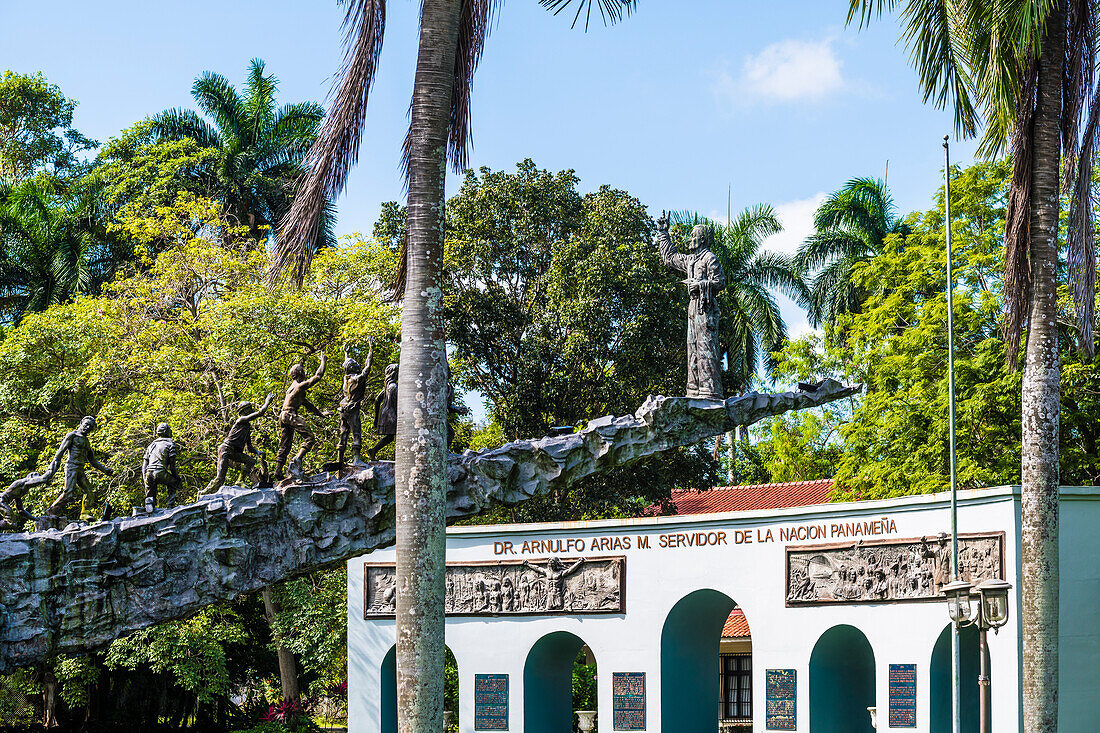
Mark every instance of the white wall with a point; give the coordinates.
(753, 575)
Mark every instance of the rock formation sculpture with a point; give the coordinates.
(74, 590)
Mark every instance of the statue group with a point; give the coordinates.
(704, 280)
(159, 469)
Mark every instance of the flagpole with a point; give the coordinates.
(955, 681)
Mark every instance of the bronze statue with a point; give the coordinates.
(80, 453)
(11, 501)
(705, 280)
(385, 411)
(158, 468)
(238, 444)
(289, 420)
(351, 417)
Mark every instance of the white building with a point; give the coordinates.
(841, 599)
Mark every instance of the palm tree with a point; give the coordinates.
(1029, 68)
(752, 328)
(261, 148)
(53, 244)
(452, 35)
(850, 227)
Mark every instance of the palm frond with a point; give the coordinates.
(218, 99)
(176, 124)
(611, 11)
(337, 147)
(1017, 285)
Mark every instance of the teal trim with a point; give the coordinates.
(842, 683)
(548, 683)
(689, 662)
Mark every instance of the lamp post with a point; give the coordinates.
(991, 612)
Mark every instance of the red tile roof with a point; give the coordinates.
(751, 496)
(736, 626)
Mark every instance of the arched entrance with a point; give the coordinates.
(548, 683)
(690, 679)
(842, 682)
(388, 693)
(939, 682)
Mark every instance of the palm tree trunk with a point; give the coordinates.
(1040, 402)
(421, 488)
(288, 668)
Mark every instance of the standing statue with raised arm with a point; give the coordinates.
(80, 453)
(351, 417)
(290, 422)
(158, 468)
(238, 444)
(705, 280)
(385, 411)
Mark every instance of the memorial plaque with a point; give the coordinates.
(628, 700)
(780, 691)
(887, 571)
(490, 702)
(903, 696)
(548, 586)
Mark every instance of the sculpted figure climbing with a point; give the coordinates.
(78, 450)
(385, 411)
(238, 444)
(291, 423)
(705, 280)
(351, 416)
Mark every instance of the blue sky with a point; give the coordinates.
(686, 99)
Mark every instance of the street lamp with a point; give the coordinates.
(991, 613)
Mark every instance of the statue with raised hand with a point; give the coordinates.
(385, 411)
(158, 468)
(78, 451)
(705, 280)
(291, 423)
(351, 417)
(238, 444)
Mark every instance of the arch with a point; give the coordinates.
(388, 694)
(939, 681)
(548, 683)
(842, 682)
(689, 655)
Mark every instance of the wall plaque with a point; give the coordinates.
(549, 586)
(780, 692)
(490, 702)
(884, 571)
(903, 696)
(628, 700)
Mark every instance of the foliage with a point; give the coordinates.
(850, 227)
(258, 148)
(584, 684)
(36, 132)
(312, 622)
(192, 651)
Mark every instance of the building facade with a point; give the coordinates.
(841, 602)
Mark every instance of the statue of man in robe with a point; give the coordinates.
(705, 280)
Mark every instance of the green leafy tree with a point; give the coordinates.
(558, 310)
(850, 227)
(36, 128)
(260, 148)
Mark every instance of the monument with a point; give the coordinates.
(705, 280)
(291, 423)
(351, 418)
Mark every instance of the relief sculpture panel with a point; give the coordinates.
(887, 571)
(550, 586)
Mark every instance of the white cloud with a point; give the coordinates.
(797, 218)
(786, 71)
